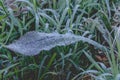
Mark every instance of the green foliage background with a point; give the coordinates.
(95, 19)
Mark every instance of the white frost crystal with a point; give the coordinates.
(32, 43)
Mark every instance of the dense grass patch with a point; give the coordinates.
(98, 20)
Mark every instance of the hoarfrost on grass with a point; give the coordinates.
(32, 43)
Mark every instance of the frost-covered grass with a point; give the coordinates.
(95, 19)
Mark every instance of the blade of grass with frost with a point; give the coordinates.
(32, 43)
